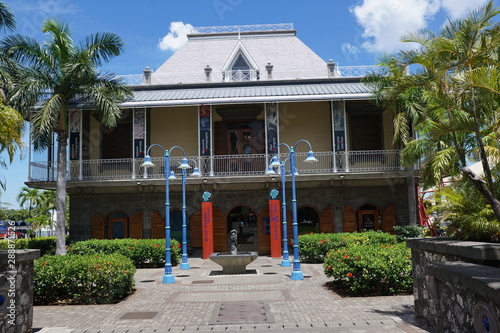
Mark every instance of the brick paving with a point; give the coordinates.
(198, 301)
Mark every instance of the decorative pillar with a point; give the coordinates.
(207, 230)
(275, 221)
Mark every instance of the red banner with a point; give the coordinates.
(207, 230)
(275, 227)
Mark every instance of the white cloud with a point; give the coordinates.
(383, 21)
(350, 50)
(176, 37)
(459, 8)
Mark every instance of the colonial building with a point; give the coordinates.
(228, 97)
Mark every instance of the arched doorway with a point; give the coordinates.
(308, 220)
(117, 225)
(176, 226)
(369, 217)
(244, 220)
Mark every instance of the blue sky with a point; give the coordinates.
(351, 32)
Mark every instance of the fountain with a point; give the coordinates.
(233, 262)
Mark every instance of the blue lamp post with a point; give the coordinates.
(285, 262)
(168, 277)
(275, 162)
(196, 173)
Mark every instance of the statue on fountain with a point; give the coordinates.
(234, 241)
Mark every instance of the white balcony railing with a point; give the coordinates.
(376, 161)
(250, 75)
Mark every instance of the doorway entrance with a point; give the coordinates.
(243, 219)
(369, 218)
(117, 225)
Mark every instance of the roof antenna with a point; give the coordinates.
(239, 33)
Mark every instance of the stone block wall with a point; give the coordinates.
(457, 284)
(16, 290)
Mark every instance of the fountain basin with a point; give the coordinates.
(233, 263)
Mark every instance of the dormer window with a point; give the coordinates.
(240, 66)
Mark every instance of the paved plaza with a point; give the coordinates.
(263, 300)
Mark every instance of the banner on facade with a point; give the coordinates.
(207, 231)
(74, 134)
(339, 125)
(205, 127)
(275, 224)
(272, 127)
(139, 130)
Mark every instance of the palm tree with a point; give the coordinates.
(467, 212)
(11, 122)
(31, 197)
(459, 76)
(49, 76)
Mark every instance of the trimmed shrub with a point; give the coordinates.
(47, 245)
(143, 252)
(370, 269)
(85, 279)
(314, 247)
(408, 231)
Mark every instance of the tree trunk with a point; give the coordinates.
(484, 190)
(62, 142)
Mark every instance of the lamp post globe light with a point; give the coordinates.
(275, 162)
(196, 173)
(168, 277)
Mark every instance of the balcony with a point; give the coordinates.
(353, 162)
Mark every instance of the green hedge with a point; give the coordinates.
(47, 245)
(371, 269)
(408, 231)
(142, 252)
(314, 247)
(85, 279)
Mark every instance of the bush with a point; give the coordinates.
(142, 252)
(47, 245)
(86, 279)
(314, 247)
(408, 231)
(371, 269)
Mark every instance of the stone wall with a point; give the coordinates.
(16, 290)
(457, 284)
(225, 196)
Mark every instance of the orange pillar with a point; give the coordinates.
(207, 230)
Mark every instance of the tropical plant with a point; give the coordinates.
(467, 214)
(30, 197)
(455, 95)
(49, 76)
(11, 122)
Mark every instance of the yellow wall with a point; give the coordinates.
(95, 139)
(388, 127)
(175, 126)
(309, 121)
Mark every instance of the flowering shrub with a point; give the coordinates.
(142, 252)
(371, 269)
(314, 247)
(85, 279)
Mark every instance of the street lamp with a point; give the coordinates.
(196, 173)
(275, 162)
(168, 277)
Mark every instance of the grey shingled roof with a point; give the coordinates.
(290, 57)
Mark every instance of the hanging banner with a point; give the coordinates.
(207, 230)
(139, 130)
(339, 125)
(74, 134)
(205, 128)
(275, 224)
(272, 127)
